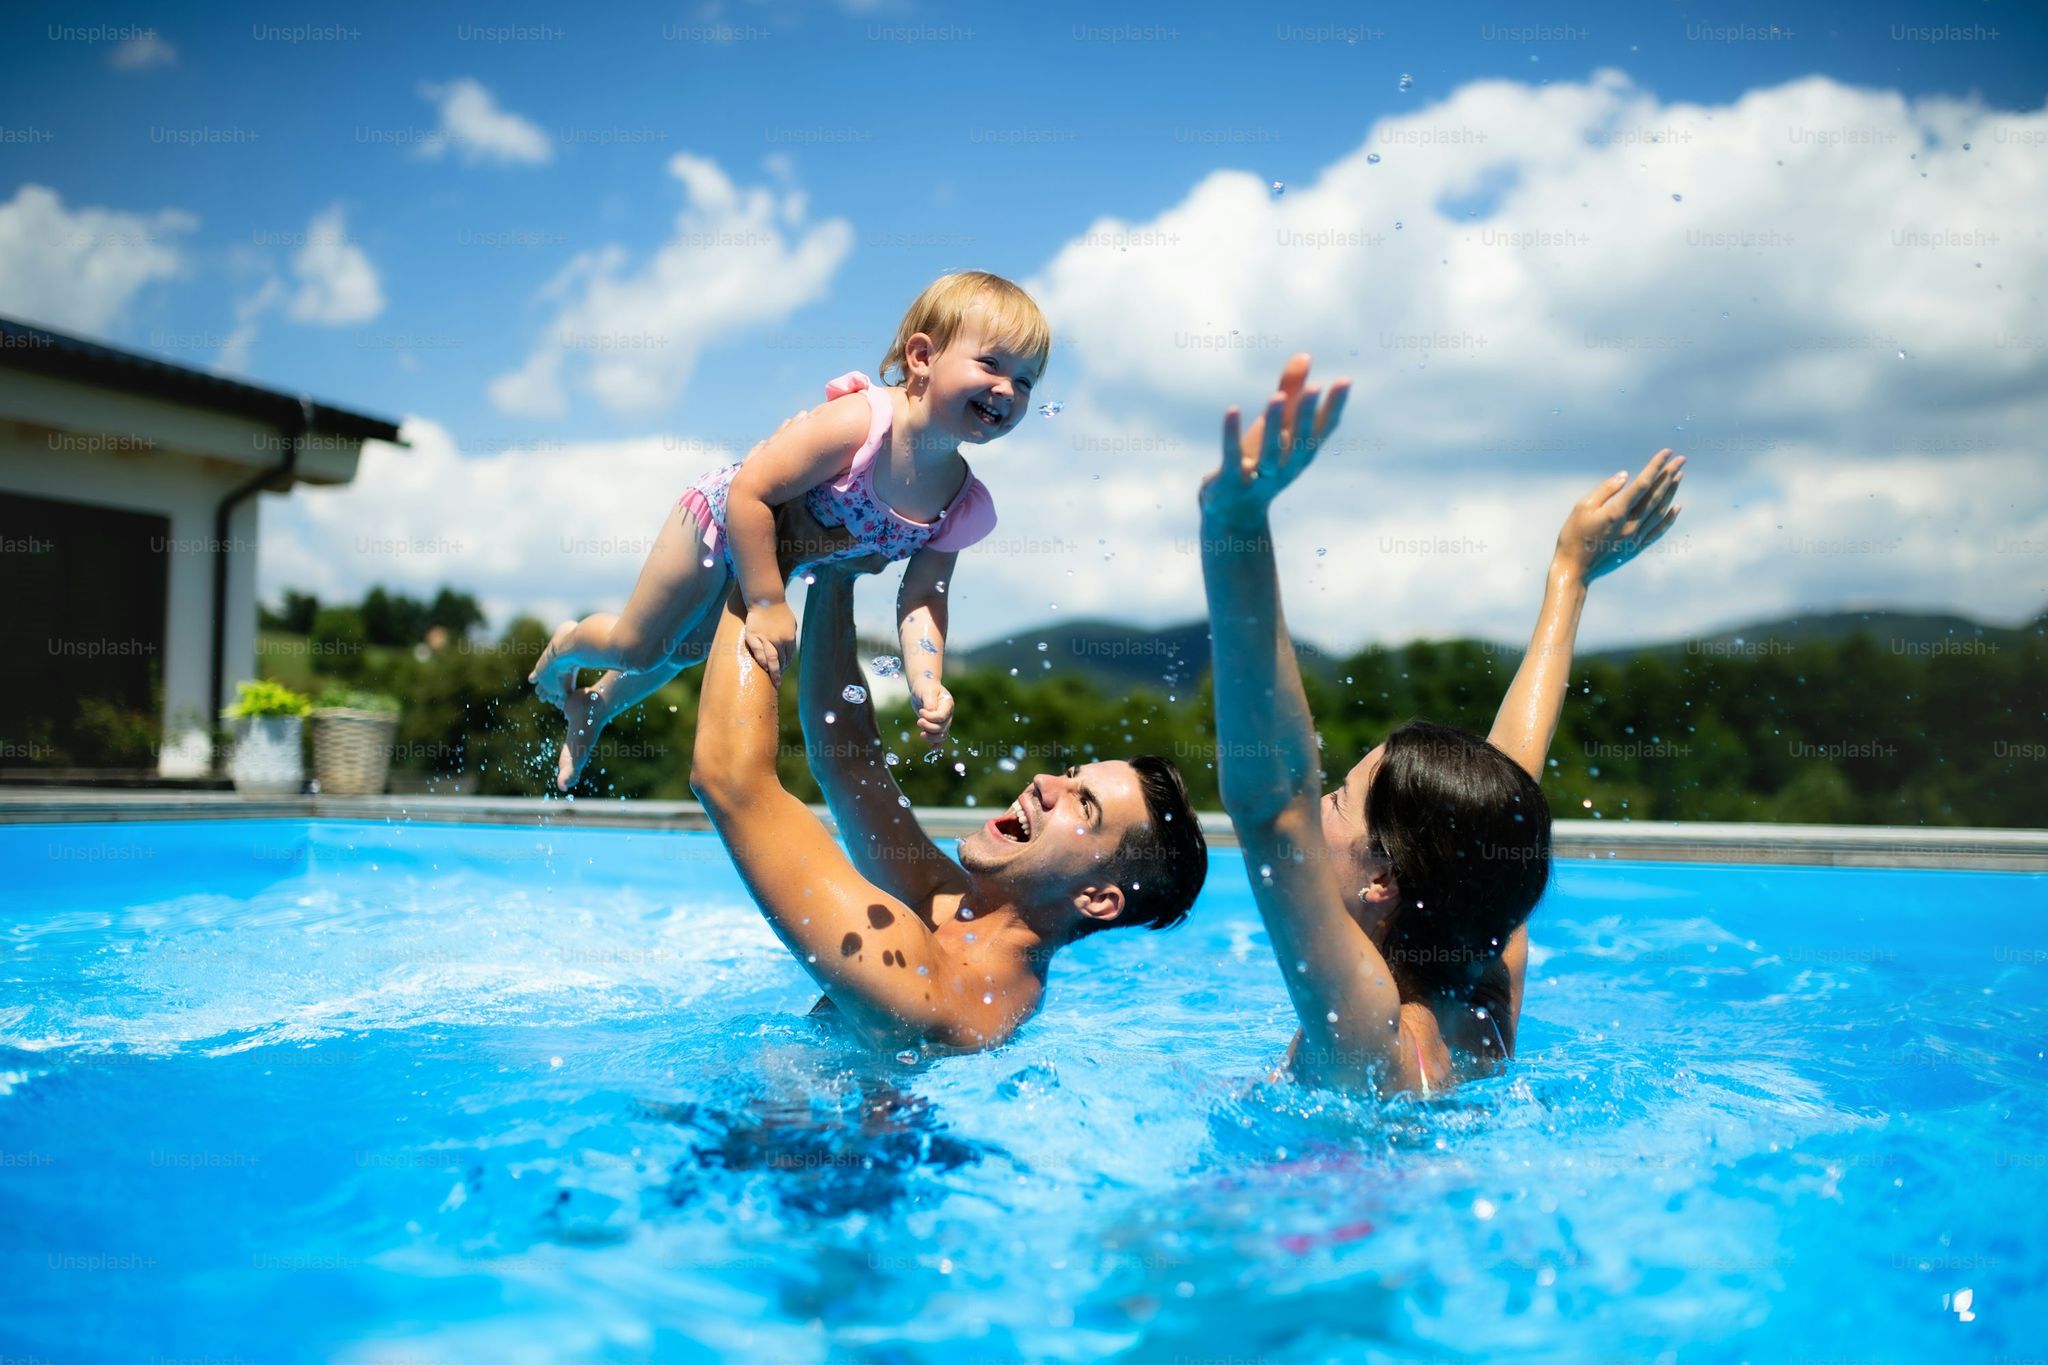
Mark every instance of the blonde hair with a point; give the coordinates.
(1015, 322)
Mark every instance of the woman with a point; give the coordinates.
(1397, 902)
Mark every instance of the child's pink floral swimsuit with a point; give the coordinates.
(852, 502)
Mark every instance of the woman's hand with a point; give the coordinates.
(1620, 518)
(1280, 443)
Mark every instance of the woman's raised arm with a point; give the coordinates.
(1607, 528)
(1266, 757)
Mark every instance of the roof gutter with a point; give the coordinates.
(294, 433)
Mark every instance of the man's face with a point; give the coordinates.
(1060, 830)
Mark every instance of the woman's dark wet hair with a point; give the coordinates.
(1468, 835)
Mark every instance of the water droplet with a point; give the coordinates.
(1008, 765)
(1279, 188)
(1322, 550)
(831, 717)
(988, 998)
(1482, 1209)
(1406, 83)
(1678, 199)
(1372, 158)
(892, 759)
(1041, 646)
(903, 800)
(1265, 872)
(810, 578)
(908, 1056)
(1966, 146)
(1397, 225)
(854, 693)
(1902, 355)
(970, 798)
(960, 770)
(887, 666)
(924, 642)
(1051, 409)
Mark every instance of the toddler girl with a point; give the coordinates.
(882, 462)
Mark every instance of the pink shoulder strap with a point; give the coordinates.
(971, 517)
(879, 412)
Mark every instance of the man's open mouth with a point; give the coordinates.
(987, 415)
(1013, 825)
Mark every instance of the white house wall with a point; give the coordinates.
(75, 465)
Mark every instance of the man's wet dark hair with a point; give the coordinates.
(1468, 834)
(1161, 864)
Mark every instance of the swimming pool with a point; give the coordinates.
(330, 1090)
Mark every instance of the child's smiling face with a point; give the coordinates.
(977, 387)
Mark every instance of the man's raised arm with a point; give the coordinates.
(847, 757)
(863, 946)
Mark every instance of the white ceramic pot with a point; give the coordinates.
(269, 757)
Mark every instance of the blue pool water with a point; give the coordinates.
(425, 1093)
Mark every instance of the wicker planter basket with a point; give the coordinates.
(352, 751)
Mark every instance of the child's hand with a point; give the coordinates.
(934, 710)
(770, 637)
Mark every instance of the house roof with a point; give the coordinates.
(38, 350)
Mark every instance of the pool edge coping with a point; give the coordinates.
(2001, 850)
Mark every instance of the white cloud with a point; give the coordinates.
(79, 269)
(142, 52)
(1826, 471)
(478, 130)
(550, 530)
(632, 336)
(337, 283)
(234, 348)
(1584, 317)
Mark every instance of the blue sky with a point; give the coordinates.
(934, 138)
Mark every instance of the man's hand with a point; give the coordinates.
(770, 637)
(1619, 519)
(1261, 461)
(801, 539)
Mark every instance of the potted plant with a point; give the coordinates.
(267, 759)
(352, 738)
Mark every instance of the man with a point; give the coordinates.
(914, 949)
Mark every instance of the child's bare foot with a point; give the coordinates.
(551, 677)
(584, 708)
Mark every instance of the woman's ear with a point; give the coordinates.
(1382, 889)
